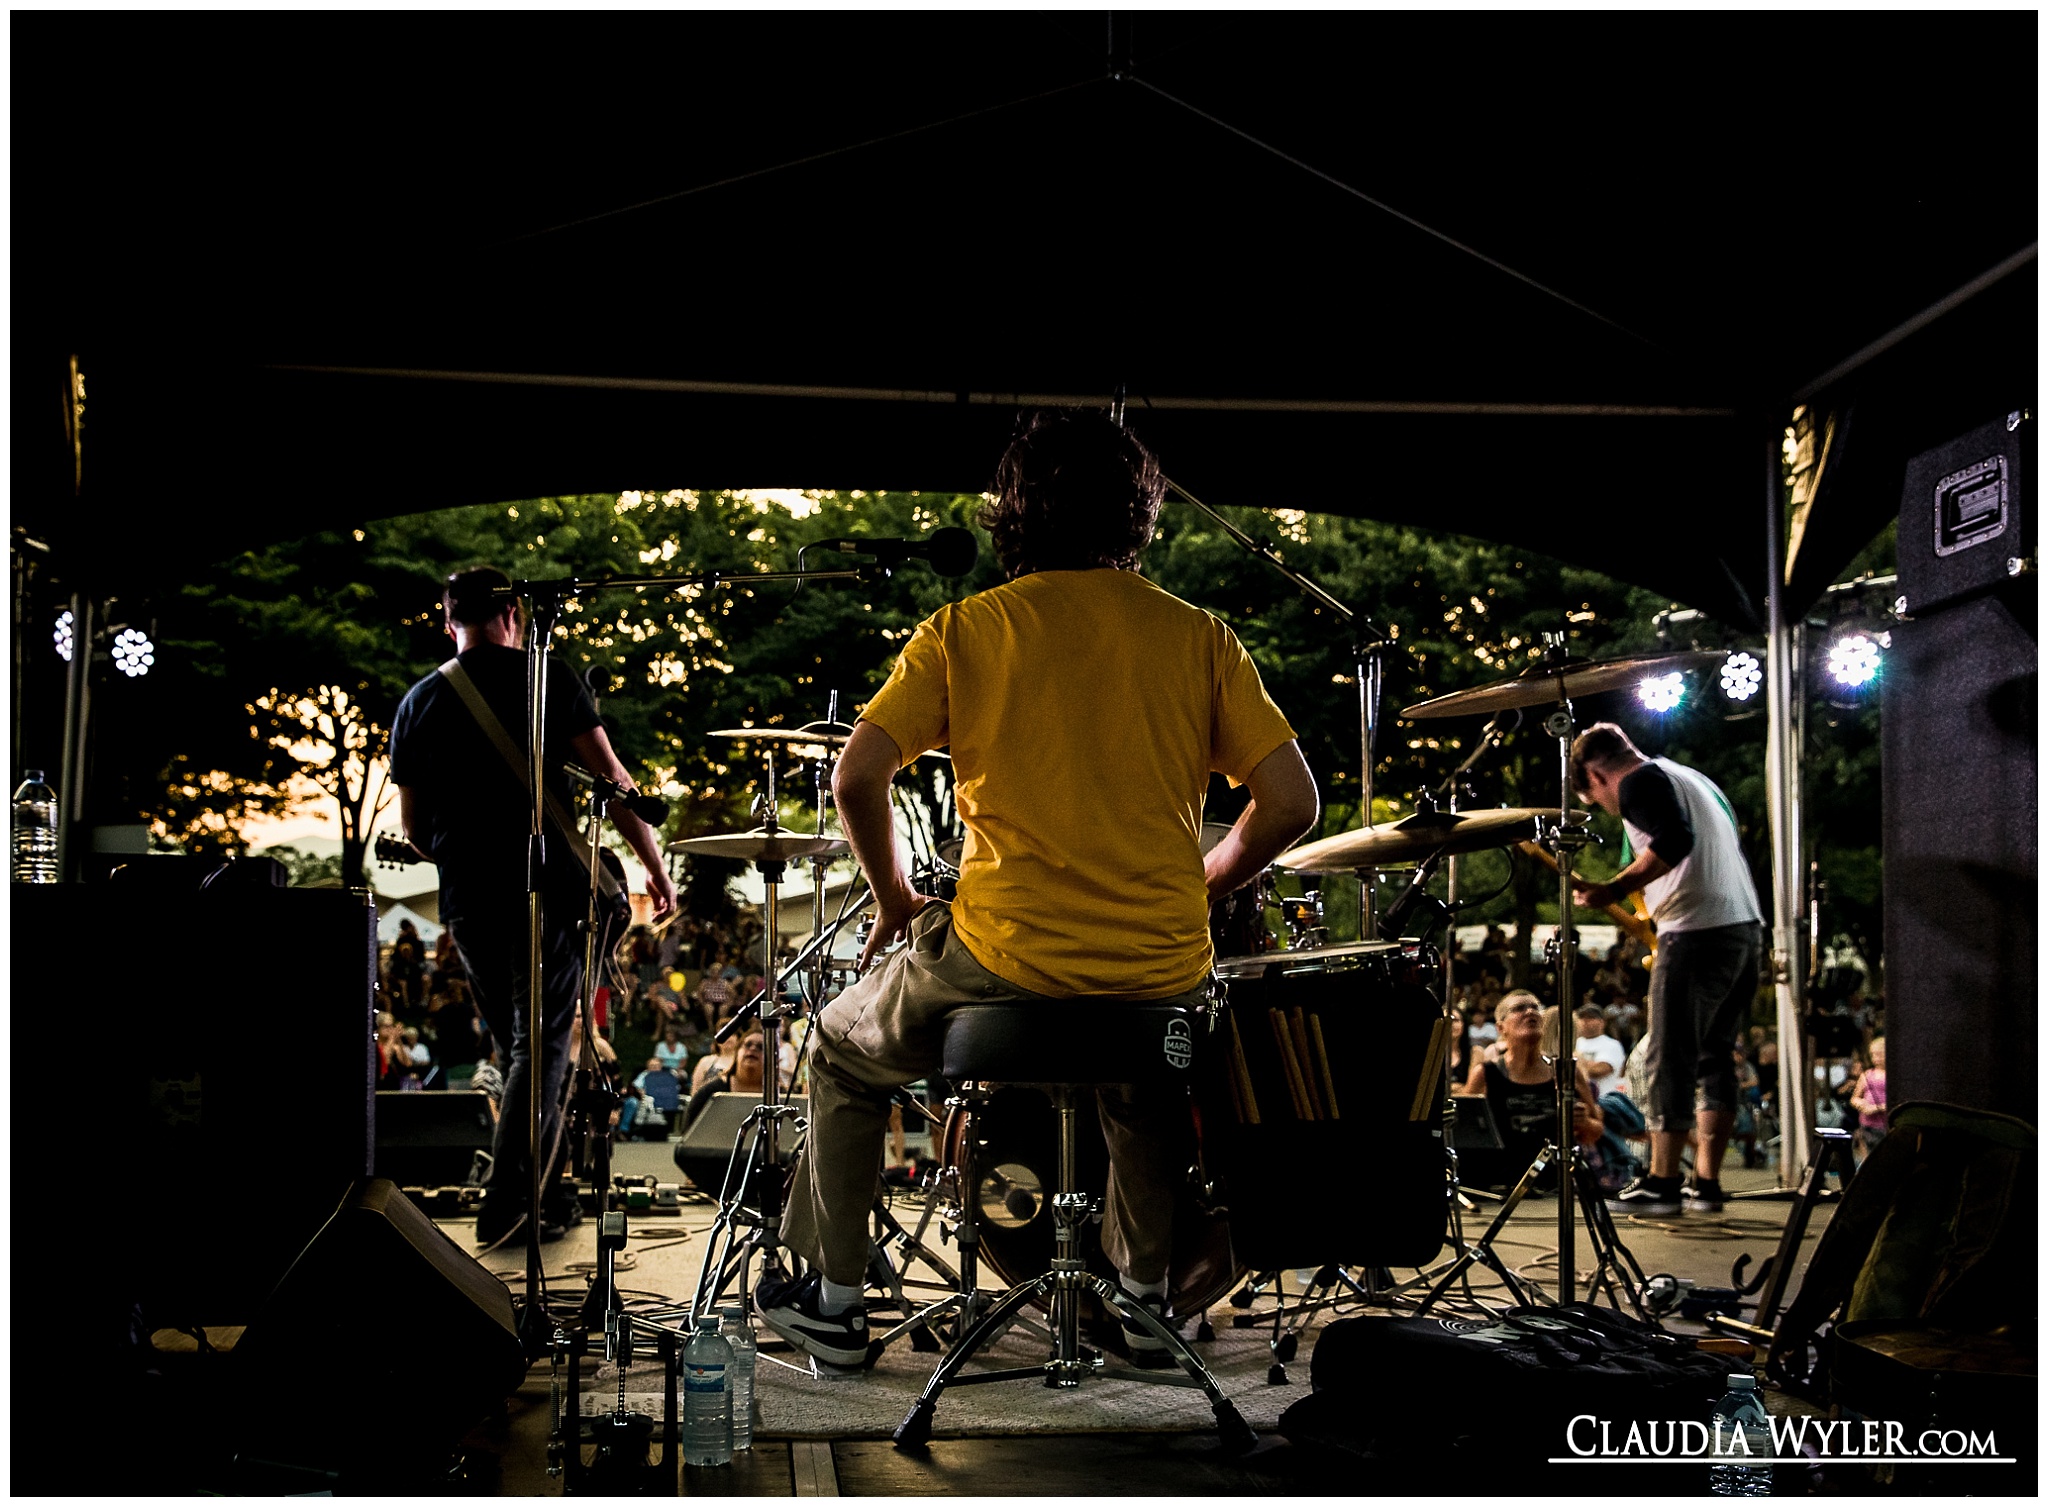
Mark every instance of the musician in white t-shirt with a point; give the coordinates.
(1686, 856)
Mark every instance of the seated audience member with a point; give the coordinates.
(1522, 1093)
(653, 1097)
(670, 1049)
(1599, 1054)
(708, 1168)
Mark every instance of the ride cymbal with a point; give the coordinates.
(1414, 838)
(1548, 684)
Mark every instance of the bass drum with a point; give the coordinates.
(1016, 1150)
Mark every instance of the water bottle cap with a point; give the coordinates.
(1742, 1379)
(707, 1322)
(34, 776)
(732, 1310)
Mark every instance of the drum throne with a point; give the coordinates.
(1036, 1043)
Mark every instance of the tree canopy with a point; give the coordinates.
(283, 666)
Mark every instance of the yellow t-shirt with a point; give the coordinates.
(1085, 710)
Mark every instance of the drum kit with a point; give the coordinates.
(1331, 1056)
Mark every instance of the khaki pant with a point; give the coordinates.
(889, 1029)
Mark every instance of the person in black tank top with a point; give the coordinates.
(1520, 1090)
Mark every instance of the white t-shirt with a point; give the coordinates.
(1603, 1048)
(1710, 886)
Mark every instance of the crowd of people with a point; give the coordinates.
(1504, 1037)
(678, 987)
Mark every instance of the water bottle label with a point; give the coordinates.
(703, 1378)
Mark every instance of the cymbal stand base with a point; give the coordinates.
(1481, 1250)
(726, 1258)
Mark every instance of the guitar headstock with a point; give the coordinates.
(396, 853)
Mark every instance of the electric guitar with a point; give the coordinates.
(614, 905)
(1635, 922)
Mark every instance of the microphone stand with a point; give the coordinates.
(1367, 648)
(544, 600)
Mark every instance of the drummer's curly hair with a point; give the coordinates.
(1073, 492)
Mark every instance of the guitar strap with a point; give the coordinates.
(487, 719)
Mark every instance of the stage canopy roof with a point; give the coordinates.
(1552, 280)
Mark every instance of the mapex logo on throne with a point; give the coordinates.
(1179, 1043)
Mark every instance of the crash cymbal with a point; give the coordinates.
(1547, 684)
(818, 732)
(1412, 839)
(760, 845)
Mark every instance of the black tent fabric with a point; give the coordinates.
(1552, 280)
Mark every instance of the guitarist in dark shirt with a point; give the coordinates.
(464, 807)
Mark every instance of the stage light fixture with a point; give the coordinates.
(133, 652)
(1742, 676)
(1854, 658)
(66, 638)
(1660, 693)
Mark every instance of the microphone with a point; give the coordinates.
(651, 809)
(949, 551)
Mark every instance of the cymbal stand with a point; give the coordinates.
(1368, 647)
(821, 782)
(1577, 1184)
(766, 1236)
(595, 1101)
(1482, 1251)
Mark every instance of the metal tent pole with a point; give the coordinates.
(1782, 754)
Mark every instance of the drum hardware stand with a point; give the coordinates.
(544, 600)
(1481, 1250)
(1290, 1319)
(964, 1302)
(723, 1259)
(1458, 1264)
(1368, 649)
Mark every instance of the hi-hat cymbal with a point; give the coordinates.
(821, 732)
(815, 736)
(1547, 684)
(760, 845)
(1413, 839)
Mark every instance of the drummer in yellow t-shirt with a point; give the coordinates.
(1085, 710)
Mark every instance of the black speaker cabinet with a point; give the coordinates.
(383, 1344)
(1964, 523)
(1961, 806)
(430, 1140)
(197, 1065)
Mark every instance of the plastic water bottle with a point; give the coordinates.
(1741, 1411)
(35, 831)
(707, 1396)
(738, 1333)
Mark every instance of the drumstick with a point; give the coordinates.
(1288, 1067)
(1301, 1055)
(1315, 1026)
(1241, 1074)
(1432, 1067)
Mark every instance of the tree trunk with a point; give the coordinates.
(352, 850)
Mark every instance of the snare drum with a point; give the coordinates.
(1323, 1118)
